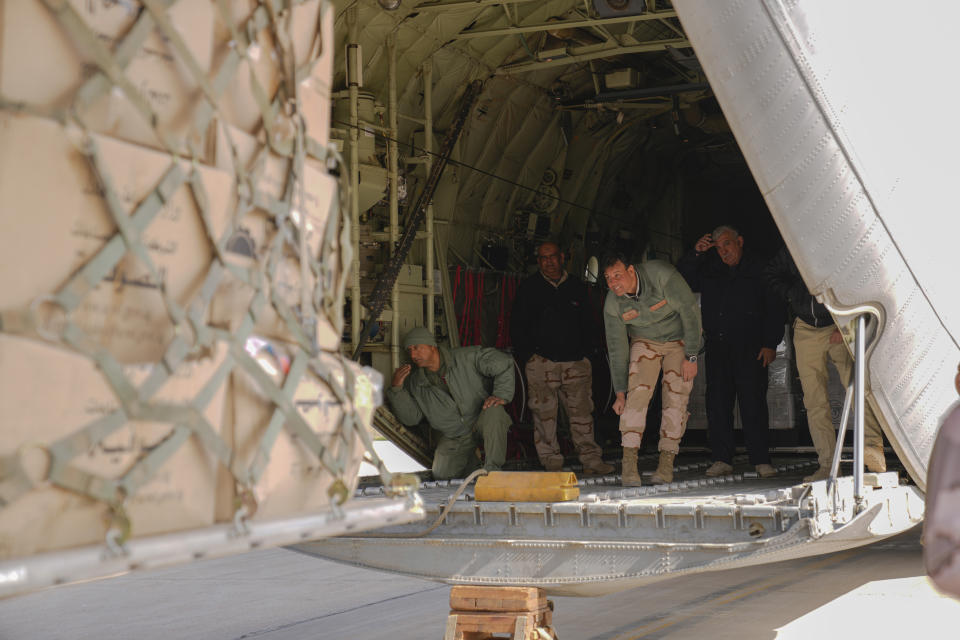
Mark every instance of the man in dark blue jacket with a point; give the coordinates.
(551, 329)
(743, 323)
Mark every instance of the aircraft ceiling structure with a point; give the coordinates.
(546, 113)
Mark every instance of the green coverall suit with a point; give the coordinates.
(451, 400)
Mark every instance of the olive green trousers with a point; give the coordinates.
(457, 457)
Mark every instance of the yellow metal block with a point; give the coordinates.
(527, 486)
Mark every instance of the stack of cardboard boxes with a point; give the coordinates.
(143, 200)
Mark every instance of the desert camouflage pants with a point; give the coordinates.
(813, 348)
(646, 359)
(572, 382)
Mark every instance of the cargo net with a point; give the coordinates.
(176, 262)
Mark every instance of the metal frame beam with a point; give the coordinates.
(354, 175)
(578, 54)
(393, 165)
(464, 4)
(565, 24)
(429, 245)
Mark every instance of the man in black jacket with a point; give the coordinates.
(551, 328)
(743, 324)
(815, 338)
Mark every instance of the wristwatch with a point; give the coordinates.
(692, 358)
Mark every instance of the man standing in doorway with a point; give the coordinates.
(451, 389)
(652, 323)
(815, 339)
(743, 324)
(551, 327)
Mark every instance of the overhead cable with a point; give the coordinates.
(379, 131)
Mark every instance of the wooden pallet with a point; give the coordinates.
(477, 613)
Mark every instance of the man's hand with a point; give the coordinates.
(620, 403)
(767, 355)
(688, 370)
(400, 375)
(493, 401)
(704, 243)
(836, 337)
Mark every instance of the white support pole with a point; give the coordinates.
(859, 387)
(841, 434)
(428, 226)
(393, 159)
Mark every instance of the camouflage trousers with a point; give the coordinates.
(572, 383)
(646, 359)
(813, 349)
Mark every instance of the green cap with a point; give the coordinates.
(418, 335)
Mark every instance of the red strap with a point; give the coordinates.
(465, 309)
(502, 312)
(456, 285)
(477, 311)
(510, 295)
(467, 301)
(456, 289)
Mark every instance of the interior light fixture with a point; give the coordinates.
(615, 8)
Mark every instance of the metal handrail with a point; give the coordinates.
(855, 395)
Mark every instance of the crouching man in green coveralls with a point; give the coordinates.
(652, 321)
(451, 388)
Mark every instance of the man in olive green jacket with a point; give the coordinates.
(652, 321)
(450, 388)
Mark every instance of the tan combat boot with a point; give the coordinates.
(553, 463)
(766, 470)
(874, 459)
(597, 468)
(820, 474)
(664, 472)
(630, 476)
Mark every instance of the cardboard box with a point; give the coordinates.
(237, 105)
(311, 29)
(42, 65)
(317, 88)
(410, 313)
(46, 394)
(55, 220)
(250, 246)
(294, 482)
(411, 274)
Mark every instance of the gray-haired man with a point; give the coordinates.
(743, 322)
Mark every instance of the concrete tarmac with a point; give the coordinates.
(876, 592)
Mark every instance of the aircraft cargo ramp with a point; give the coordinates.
(614, 538)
